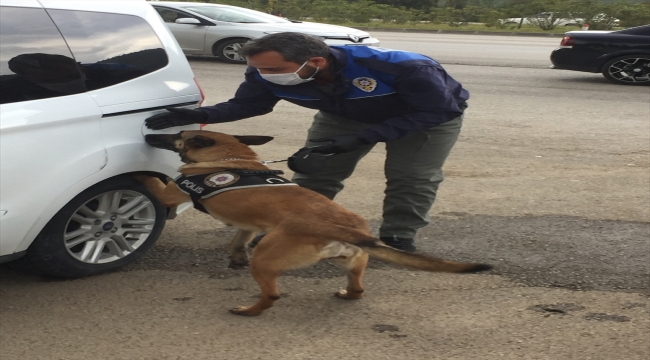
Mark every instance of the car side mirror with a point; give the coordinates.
(191, 21)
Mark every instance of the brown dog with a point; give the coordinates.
(301, 226)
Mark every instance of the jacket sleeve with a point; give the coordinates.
(432, 98)
(252, 98)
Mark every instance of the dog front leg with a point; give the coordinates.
(237, 248)
(168, 194)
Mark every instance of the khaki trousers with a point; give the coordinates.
(413, 170)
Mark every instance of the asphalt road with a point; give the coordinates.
(484, 50)
(550, 182)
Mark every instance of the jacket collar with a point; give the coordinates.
(340, 61)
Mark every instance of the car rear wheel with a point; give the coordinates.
(102, 229)
(227, 51)
(628, 70)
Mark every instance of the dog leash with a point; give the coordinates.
(265, 162)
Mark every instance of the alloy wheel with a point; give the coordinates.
(109, 227)
(231, 51)
(630, 70)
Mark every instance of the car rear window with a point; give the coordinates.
(99, 50)
(111, 48)
(35, 62)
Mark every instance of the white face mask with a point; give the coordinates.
(288, 78)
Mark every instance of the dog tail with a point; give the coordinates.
(423, 262)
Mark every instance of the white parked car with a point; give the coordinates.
(541, 18)
(220, 30)
(77, 81)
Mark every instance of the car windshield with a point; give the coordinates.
(234, 14)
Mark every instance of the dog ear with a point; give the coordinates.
(199, 142)
(253, 139)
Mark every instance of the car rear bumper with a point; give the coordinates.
(569, 59)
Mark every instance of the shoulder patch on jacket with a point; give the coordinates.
(365, 83)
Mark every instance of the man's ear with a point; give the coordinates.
(253, 139)
(319, 61)
(199, 142)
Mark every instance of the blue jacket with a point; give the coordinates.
(397, 92)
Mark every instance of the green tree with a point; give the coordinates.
(492, 17)
(491, 4)
(456, 4)
(546, 14)
(410, 4)
(457, 17)
(599, 16)
(522, 9)
(631, 14)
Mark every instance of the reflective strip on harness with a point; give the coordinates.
(203, 186)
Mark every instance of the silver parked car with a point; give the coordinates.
(220, 30)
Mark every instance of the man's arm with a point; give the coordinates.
(252, 98)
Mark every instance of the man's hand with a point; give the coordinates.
(175, 117)
(339, 144)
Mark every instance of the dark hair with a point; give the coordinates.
(294, 47)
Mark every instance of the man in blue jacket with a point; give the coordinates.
(364, 95)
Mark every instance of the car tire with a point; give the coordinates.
(102, 229)
(628, 70)
(227, 51)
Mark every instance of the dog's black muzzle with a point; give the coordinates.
(162, 141)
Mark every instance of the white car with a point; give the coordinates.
(220, 30)
(541, 18)
(77, 81)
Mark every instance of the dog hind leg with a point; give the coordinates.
(356, 266)
(237, 249)
(268, 284)
(275, 254)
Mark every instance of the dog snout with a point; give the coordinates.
(162, 141)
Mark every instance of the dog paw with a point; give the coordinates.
(345, 295)
(146, 179)
(142, 178)
(237, 265)
(238, 260)
(245, 311)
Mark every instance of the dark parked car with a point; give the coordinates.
(623, 57)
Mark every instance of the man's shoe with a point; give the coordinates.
(404, 244)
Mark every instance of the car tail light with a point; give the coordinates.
(202, 99)
(567, 41)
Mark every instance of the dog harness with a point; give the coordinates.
(203, 186)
